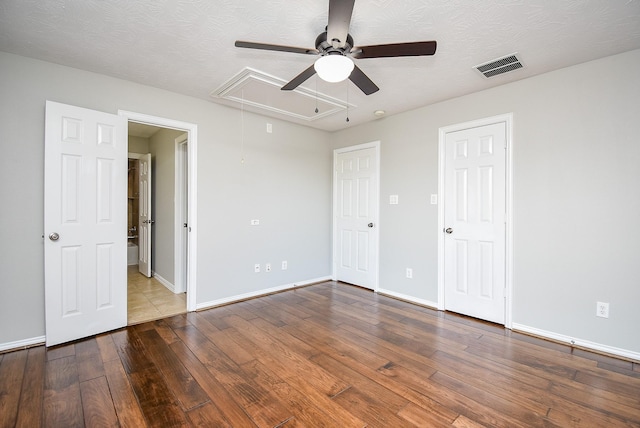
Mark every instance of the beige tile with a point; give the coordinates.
(170, 308)
(157, 299)
(149, 300)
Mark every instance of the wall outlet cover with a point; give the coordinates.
(602, 309)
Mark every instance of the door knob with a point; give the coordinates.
(370, 225)
(54, 236)
(449, 230)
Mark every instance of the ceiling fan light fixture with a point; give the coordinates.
(333, 68)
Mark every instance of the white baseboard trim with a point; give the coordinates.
(312, 281)
(164, 282)
(408, 298)
(572, 341)
(246, 296)
(22, 344)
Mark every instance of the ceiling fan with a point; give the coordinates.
(336, 49)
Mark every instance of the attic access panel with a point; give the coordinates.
(260, 90)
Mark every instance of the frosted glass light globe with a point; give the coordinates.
(333, 68)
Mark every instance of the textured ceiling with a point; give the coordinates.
(186, 46)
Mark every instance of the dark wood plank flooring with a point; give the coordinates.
(329, 355)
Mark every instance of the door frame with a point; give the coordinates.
(376, 210)
(507, 119)
(192, 135)
(181, 199)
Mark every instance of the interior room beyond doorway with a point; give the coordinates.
(152, 290)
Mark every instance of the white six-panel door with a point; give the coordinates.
(474, 221)
(85, 222)
(356, 201)
(144, 220)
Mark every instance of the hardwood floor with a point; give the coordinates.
(325, 355)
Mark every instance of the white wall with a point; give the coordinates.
(163, 154)
(285, 182)
(138, 145)
(576, 199)
(576, 167)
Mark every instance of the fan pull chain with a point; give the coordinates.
(347, 101)
(317, 94)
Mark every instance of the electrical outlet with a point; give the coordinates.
(255, 222)
(409, 273)
(602, 309)
(256, 268)
(267, 267)
(284, 265)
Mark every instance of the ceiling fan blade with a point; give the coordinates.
(362, 81)
(299, 79)
(395, 50)
(339, 20)
(279, 48)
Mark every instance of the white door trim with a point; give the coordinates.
(180, 198)
(442, 132)
(376, 209)
(192, 132)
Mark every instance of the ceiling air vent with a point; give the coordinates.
(499, 66)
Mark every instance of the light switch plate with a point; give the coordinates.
(393, 199)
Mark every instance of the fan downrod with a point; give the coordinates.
(325, 48)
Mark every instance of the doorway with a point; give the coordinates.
(85, 218)
(474, 243)
(152, 286)
(173, 191)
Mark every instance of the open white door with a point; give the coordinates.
(355, 213)
(145, 221)
(85, 222)
(474, 222)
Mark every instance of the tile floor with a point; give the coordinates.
(149, 300)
